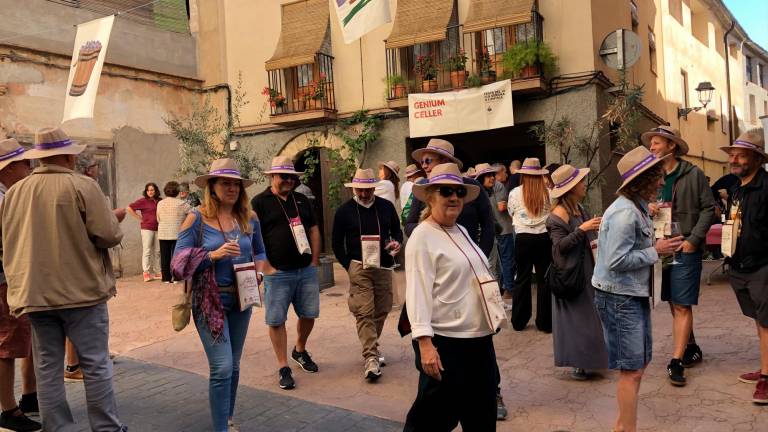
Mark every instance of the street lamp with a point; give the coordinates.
(704, 91)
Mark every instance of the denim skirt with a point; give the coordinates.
(627, 329)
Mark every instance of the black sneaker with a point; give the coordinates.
(286, 379)
(676, 372)
(28, 404)
(304, 360)
(692, 355)
(18, 422)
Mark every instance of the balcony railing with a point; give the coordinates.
(302, 88)
(457, 57)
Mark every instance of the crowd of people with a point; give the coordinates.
(475, 243)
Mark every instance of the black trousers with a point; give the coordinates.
(166, 253)
(532, 250)
(467, 392)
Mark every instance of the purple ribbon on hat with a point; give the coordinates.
(446, 177)
(746, 144)
(642, 164)
(363, 180)
(568, 180)
(663, 132)
(283, 167)
(530, 167)
(225, 171)
(53, 145)
(13, 154)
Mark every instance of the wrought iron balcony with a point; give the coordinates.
(302, 93)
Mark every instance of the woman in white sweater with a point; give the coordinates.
(451, 338)
(388, 186)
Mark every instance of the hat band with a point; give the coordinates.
(569, 179)
(530, 167)
(663, 132)
(642, 164)
(446, 177)
(54, 144)
(746, 144)
(225, 171)
(363, 180)
(13, 154)
(283, 167)
(439, 150)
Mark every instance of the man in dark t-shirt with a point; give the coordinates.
(292, 242)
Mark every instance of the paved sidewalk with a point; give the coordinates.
(156, 398)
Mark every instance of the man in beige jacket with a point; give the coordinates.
(56, 231)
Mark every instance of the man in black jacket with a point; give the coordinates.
(366, 236)
(748, 203)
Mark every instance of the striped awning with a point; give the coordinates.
(305, 26)
(419, 21)
(488, 14)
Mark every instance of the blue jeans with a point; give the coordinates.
(224, 359)
(506, 244)
(285, 287)
(627, 329)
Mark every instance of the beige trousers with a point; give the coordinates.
(370, 301)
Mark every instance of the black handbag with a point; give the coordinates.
(567, 283)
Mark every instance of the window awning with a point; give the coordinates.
(419, 21)
(303, 31)
(488, 14)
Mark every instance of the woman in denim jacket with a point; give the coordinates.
(622, 277)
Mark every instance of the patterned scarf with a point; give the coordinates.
(204, 288)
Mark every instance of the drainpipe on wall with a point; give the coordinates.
(728, 81)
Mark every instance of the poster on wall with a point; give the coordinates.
(470, 110)
(85, 70)
(358, 17)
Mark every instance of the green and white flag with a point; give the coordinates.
(358, 17)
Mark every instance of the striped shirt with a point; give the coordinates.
(170, 214)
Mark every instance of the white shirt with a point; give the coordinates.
(386, 189)
(524, 222)
(171, 212)
(405, 193)
(441, 294)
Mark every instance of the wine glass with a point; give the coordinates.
(674, 231)
(392, 250)
(233, 235)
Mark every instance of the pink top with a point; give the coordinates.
(148, 210)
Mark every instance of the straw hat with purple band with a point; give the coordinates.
(565, 178)
(532, 166)
(392, 166)
(445, 174)
(635, 162)
(222, 168)
(439, 146)
(52, 142)
(484, 168)
(750, 141)
(669, 133)
(412, 170)
(363, 179)
(283, 165)
(11, 151)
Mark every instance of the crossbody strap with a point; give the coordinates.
(464, 253)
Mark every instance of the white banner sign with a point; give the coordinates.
(84, 73)
(358, 17)
(475, 109)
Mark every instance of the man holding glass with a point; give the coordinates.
(366, 237)
(685, 200)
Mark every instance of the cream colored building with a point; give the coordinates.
(755, 81)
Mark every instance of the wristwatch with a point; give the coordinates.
(260, 275)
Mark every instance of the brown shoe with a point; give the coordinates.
(75, 376)
(761, 392)
(750, 377)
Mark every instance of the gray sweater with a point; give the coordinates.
(692, 204)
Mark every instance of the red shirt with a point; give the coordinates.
(148, 210)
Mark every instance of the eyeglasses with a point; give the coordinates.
(447, 191)
(288, 177)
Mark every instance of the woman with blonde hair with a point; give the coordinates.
(528, 204)
(222, 232)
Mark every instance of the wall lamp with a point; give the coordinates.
(704, 91)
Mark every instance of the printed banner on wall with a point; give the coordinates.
(470, 110)
(85, 71)
(358, 17)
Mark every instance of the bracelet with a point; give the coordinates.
(260, 276)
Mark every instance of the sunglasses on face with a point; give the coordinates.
(447, 191)
(427, 161)
(288, 177)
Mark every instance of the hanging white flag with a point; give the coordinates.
(85, 70)
(358, 17)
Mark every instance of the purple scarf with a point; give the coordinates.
(204, 287)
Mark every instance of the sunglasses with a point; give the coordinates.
(427, 161)
(447, 191)
(287, 177)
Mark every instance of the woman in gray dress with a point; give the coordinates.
(576, 330)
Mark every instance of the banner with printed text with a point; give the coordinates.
(470, 110)
(85, 71)
(358, 17)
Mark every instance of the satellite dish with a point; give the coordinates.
(620, 49)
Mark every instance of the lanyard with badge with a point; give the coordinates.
(370, 244)
(297, 228)
(732, 227)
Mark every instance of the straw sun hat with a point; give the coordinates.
(565, 178)
(363, 179)
(222, 168)
(11, 151)
(669, 133)
(445, 174)
(283, 165)
(392, 166)
(53, 142)
(635, 162)
(439, 146)
(532, 166)
(412, 170)
(484, 168)
(750, 141)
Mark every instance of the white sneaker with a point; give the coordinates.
(372, 370)
(232, 427)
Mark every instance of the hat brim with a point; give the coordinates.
(682, 146)
(486, 171)
(17, 158)
(202, 181)
(361, 185)
(539, 172)
(558, 192)
(420, 190)
(644, 169)
(416, 155)
(389, 167)
(72, 149)
(728, 149)
(280, 171)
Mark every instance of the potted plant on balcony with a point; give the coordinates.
(426, 69)
(396, 87)
(523, 59)
(457, 64)
(315, 93)
(276, 100)
(487, 72)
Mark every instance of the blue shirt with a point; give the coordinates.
(625, 250)
(214, 239)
